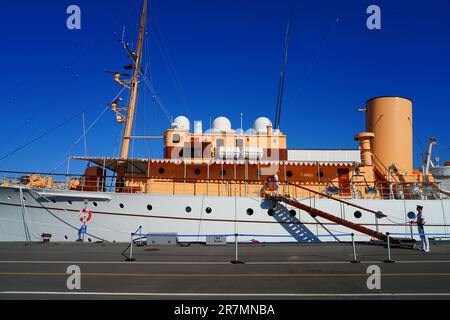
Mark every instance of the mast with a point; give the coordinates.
(134, 88)
(137, 58)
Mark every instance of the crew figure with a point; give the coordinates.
(420, 221)
(276, 183)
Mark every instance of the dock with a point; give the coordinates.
(198, 272)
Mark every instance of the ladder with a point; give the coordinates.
(330, 217)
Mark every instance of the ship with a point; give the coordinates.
(230, 183)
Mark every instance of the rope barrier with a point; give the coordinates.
(230, 235)
(420, 234)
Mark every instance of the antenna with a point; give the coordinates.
(283, 75)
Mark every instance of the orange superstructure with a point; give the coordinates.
(227, 162)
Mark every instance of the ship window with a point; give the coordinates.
(95, 204)
(9, 197)
(411, 215)
(121, 206)
(293, 213)
(250, 211)
(161, 170)
(208, 210)
(271, 212)
(53, 200)
(69, 202)
(198, 172)
(240, 143)
(358, 214)
(188, 209)
(289, 174)
(176, 138)
(149, 207)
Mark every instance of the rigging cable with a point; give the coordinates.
(157, 99)
(316, 59)
(62, 124)
(168, 62)
(87, 131)
(79, 54)
(283, 76)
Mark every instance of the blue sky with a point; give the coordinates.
(208, 58)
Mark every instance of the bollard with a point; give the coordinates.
(236, 261)
(131, 259)
(389, 260)
(355, 260)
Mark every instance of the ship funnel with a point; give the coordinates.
(391, 120)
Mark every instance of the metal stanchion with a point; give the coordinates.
(355, 260)
(130, 258)
(389, 260)
(237, 261)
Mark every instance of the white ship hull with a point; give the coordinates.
(58, 214)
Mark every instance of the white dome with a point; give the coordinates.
(221, 125)
(261, 124)
(182, 123)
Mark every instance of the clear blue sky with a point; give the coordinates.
(221, 57)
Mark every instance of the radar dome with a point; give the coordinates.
(182, 123)
(221, 125)
(261, 125)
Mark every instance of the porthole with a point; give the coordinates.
(121, 206)
(208, 210)
(411, 215)
(162, 170)
(271, 212)
(198, 172)
(250, 212)
(69, 202)
(53, 200)
(9, 197)
(289, 174)
(188, 209)
(149, 207)
(358, 214)
(95, 204)
(293, 213)
(66, 237)
(24, 199)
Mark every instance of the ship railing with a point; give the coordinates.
(224, 187)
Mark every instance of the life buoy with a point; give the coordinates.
(86, 215)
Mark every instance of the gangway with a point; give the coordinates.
(330, 217)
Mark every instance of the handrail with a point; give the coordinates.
(338, 200)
